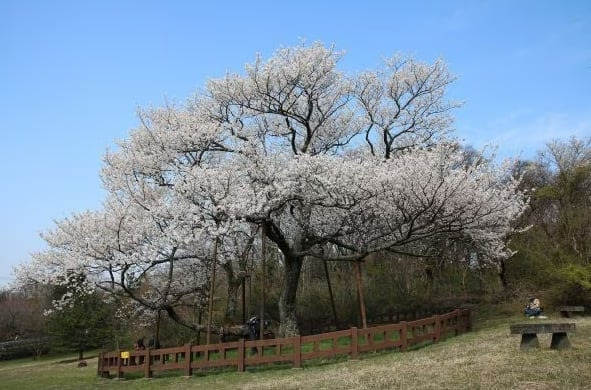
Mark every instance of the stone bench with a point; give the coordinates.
(567, 311)
(529, 334)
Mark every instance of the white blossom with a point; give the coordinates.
(321, 159)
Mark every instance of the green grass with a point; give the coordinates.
(487, 358)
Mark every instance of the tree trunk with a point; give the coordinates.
(80, 354)
(332, 304)
(287, 301)
(230, 316)
(291, 277)
(503, 275)
(234, 283)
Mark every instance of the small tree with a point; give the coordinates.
(80, 319)
(22, 322)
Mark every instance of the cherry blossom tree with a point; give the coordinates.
(331, 166)
(121, 254)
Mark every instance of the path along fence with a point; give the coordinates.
(294, 350)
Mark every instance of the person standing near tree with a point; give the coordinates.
(153, 343)
(139, 344)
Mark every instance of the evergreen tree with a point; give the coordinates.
(81, 321)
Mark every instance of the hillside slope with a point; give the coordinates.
(487, 358)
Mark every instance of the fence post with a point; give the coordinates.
(459, 321)
(100, 364)
(148, 364)
(241, 354)
(437, 328)
(188, 360)
(297, 352)
(354, 344)
(403, 336)
(119, 362)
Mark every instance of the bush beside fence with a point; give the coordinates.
(294, 350)
(34, 347)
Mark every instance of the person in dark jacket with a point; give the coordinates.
(139, 344)
(153, 343)
(533, 309)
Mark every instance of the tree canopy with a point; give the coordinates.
(331, 166)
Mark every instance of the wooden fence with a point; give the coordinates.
(294, 350)
(389, 317)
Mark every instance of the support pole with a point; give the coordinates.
(199, 318)
(157, 333)
(360, 294)
(263, 287)
(211, 291)
(332, 304)
(243, 300)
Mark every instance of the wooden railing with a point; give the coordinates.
(389, 317)
(296, 349)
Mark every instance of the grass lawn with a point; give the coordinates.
(487, 358)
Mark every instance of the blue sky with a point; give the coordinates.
(72, 74)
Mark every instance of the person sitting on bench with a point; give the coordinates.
(533, 309)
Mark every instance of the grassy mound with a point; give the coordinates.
(487, 358)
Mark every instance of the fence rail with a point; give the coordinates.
(297, 349)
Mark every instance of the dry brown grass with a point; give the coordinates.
(487, 358)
